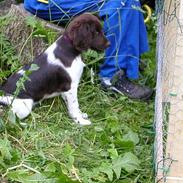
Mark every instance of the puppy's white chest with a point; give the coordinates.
(76, 69)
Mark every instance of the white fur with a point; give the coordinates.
(52, 95)
(21, 107)
(6, 100)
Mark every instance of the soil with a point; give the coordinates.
(5, 6)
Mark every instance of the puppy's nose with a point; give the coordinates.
(108, 44)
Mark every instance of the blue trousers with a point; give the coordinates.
(123, 25)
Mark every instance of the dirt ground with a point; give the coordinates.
(5, 6)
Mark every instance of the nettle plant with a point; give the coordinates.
(39, 30)
(8, 59)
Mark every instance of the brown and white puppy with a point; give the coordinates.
(60, 70)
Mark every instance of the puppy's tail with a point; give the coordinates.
(6, 100)
(2, 102)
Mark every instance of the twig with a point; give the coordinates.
(18, 142)
(19, 166)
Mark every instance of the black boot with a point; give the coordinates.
(121, 84)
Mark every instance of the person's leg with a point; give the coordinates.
(61, 11)
(125, 29)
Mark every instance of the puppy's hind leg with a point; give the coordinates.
(21, 107)
(6, 100)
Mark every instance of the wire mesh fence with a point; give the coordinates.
(169, 98)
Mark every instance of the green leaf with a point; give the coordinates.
(125, 145)
(131, 136)
(31, 21)
(1, 93)
(70, 162)
(67, 150)
(11, 117)
(40, 33)
(5, 149)
(129, 162)
(34, 67)
(113, 153)
(107, 169)
(1, 125)
(117, 166)
(63, 178)
(98, 129)
(37, 177)
(50, 167)
(25, 176)
(19, 175)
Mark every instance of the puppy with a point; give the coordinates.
(59, 70)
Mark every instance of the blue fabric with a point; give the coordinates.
(123, 26)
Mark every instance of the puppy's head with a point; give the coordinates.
(85, 31)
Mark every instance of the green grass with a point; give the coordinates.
(48, 147)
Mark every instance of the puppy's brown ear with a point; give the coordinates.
(82, 36)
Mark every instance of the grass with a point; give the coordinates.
(48, 147)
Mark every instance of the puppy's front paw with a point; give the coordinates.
(84, 115)
(82, 121)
